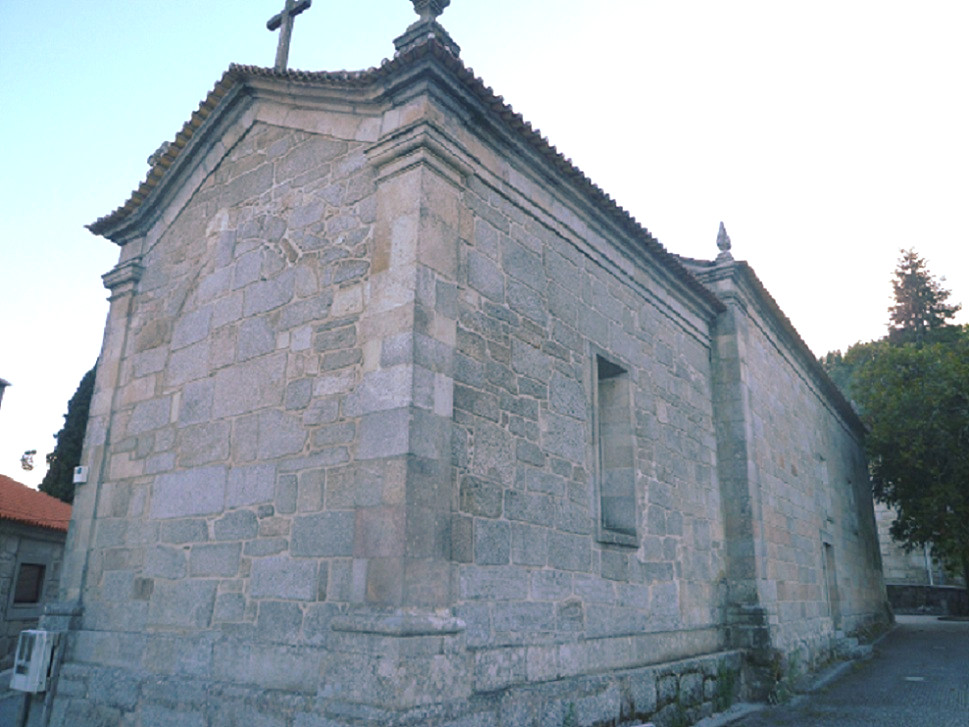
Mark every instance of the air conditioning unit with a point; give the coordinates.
(33, 660)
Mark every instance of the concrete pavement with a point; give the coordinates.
(10, 702)
(918, 677)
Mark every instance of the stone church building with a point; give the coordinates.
(400, 420)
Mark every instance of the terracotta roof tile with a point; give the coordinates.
(24, 505)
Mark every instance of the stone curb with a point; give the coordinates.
(836, 671)
(731, 714)
(817, 683)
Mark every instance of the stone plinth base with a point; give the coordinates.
(396, 661)
(676, 692)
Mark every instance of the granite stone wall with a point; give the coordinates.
(539, 304)
(805, 566)
(823, 569)
(224, 531)
(265, 429)
(395, 423)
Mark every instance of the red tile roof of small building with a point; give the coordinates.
(25, 505)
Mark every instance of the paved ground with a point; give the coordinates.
(10, 702)
(918, 677)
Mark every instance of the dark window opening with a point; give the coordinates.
(30, 583)
(615, 451)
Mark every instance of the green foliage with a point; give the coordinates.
(726, 688)
(570, 719)
(59, 480)
(920, 315)
(784, 670)
(915, 400)
(842, 368)
(920, 302)
(679, 717)
(911, 388)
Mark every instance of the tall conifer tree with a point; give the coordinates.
(920, 301)
(913, 392)
(59, 480)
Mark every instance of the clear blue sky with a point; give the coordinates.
(826, 135)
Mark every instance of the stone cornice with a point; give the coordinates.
(429, 67)
(170, 171)
(745, 290)
(451, 86)
(123, 277)
(421, 143)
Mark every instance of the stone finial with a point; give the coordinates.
(427, 28)
(429, 9)
(723, 243)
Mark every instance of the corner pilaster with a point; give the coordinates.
(122, 283)
(747, 618)
(404, 579)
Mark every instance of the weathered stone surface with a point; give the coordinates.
(249, 386)
(165, 562)
(203, 443)
(183, 531)
(199, 491)
(148, 415)
(280, 434)
(492, 542)
(220, 559)
(196, 402)
(326, 534)
(383, 434)
(250, 485)
(284, 577)
(411, 428)
(183, 604)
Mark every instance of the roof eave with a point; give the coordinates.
(140, 210)
(746, 279)
(129, 220)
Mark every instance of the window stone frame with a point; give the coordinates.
(614, 463)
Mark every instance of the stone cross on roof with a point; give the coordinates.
(284, 20)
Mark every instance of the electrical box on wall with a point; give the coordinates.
(80, 475)
(33, 660)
